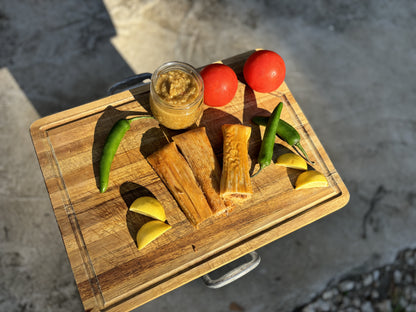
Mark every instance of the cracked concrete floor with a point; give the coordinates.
(350, 65)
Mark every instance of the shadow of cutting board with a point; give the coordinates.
(98, 230)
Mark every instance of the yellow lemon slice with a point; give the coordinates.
(150, 231)
(149, 207)
(291, 160)
(309, 179)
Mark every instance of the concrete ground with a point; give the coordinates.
(350, 65)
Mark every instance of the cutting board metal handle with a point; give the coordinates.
(234, 274)
(128, 83)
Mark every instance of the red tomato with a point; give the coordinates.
(264, 71)
(220, 84)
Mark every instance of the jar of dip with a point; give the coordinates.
(176, 95)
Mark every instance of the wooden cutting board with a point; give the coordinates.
(98, 230)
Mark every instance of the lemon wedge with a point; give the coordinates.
(149, 207)
(150, 231)
(309, 179)
(291, 160)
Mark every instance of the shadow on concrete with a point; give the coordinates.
(69, 49)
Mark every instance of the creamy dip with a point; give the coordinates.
(177, 88)
(176, 95)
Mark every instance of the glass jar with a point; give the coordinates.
(176, 95)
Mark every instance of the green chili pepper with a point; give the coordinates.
(284, 131)
(267, 145)
(110, 148)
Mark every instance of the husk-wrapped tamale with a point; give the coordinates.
(196, 147)
(235, 177)
(175, 172)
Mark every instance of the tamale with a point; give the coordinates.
(175, 172)
(196, 147)
(235, 176)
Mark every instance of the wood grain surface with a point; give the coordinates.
(98, 230)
